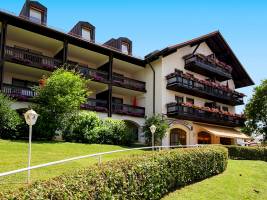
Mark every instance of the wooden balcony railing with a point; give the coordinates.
(125, 109)
(184, 83)
(200, 115)
(208, 66)
(129, 83)
(26, 57)
(102, 76)
(19, 93)
(95, 105)
(94, 74)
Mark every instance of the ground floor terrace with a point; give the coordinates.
(183, 132)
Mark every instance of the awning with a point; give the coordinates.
(223, 132)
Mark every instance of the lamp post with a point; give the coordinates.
(153, 130)
(30, 118)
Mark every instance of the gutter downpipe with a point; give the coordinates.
(154, 86)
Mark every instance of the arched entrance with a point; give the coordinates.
(204, 138)
(132, 127)
(177, 137)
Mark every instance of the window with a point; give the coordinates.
(86, 34)
(179, 100)
(118, 77)
(23, 83)
(125, 48)
(117, 100)
(189, 100)
(35, 15)
(117, 104)
(209, 104)
(225, 141)
(23, 87)
(177, 137)
(224, 108)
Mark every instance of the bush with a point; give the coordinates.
(146, 176)
(111, 131)
(81, 127)
(9, 119)
(247, 153)
(87, 127)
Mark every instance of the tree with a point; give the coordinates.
(58, 99)
(256, 111)
(161, 124)
(9, 119)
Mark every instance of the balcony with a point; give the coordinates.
(204, 115)
(94, 74)
(25, 57)
(97, 105)
(123, 109)
(18, 93)
(102, 76)
(132, 84)
(208, 66)
(184, 83)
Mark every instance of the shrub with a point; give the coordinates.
(146, 176)
(9, 119)
(111, 131)
(247, 153)
(87, 127)
(81, 127)
(160, 122)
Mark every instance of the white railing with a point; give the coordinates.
(99, 155)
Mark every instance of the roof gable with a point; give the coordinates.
(222, 50)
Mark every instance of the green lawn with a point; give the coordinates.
(13, 155)
(242, 180)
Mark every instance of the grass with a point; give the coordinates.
(13, 155)
(242, 180)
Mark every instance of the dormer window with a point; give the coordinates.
(86, 34)
(35, 15)
(125, 48)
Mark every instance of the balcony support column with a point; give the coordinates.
(2, 51)
(110, 78)
(65, 51)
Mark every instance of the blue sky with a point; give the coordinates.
(153, 24)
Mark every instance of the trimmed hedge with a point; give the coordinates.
(247, 153)
(147, 176)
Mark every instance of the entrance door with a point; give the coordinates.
(204, 138)
(177, 137)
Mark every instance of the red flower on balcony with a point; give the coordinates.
(42, 81)
(210, 110)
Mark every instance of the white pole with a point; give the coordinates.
(99, 160)
(153, 142)
(29, 153)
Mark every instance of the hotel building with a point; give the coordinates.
(193, 84)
